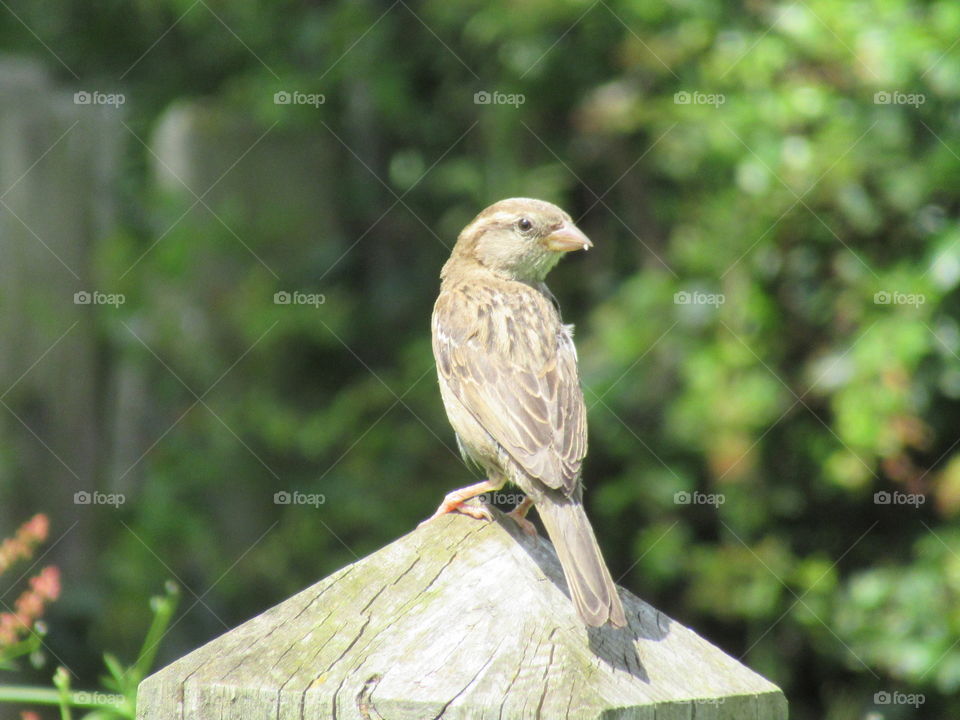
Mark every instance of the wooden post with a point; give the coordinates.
(461, 619)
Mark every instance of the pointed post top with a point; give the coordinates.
(458, 619)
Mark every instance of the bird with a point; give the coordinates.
(510, 385)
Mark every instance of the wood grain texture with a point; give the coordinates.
(461, 619)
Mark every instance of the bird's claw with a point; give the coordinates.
(480, 512)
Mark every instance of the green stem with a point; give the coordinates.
(48, 696)
(163, 612)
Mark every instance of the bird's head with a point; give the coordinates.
(519, 238)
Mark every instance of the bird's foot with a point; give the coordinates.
(480, 512)
(456, 502)
(519, 516)
(525, 525)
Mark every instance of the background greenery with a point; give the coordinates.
(798, 199)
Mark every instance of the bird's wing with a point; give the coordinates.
(513, 366)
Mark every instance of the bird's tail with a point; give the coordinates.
(591, 587)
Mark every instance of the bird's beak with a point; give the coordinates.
(567, 238)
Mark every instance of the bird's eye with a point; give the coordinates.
(524, 225)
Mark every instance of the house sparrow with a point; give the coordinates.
(511, 388)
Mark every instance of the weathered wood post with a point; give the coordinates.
(459, 619)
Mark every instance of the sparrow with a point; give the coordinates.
(508, 375)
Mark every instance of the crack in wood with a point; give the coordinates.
(402, 575)
(464, 688)
(364, 702)
(546, 676)
(506, 694)
(329, 583)
(353, 642)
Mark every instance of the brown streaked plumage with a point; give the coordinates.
(508, 376)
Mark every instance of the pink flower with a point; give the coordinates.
(47, 583)
(37, 527)
(43, 588)
(21, 546)
(9, 625)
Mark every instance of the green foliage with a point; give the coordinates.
(120, 700)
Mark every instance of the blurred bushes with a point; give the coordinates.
(712, 149)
